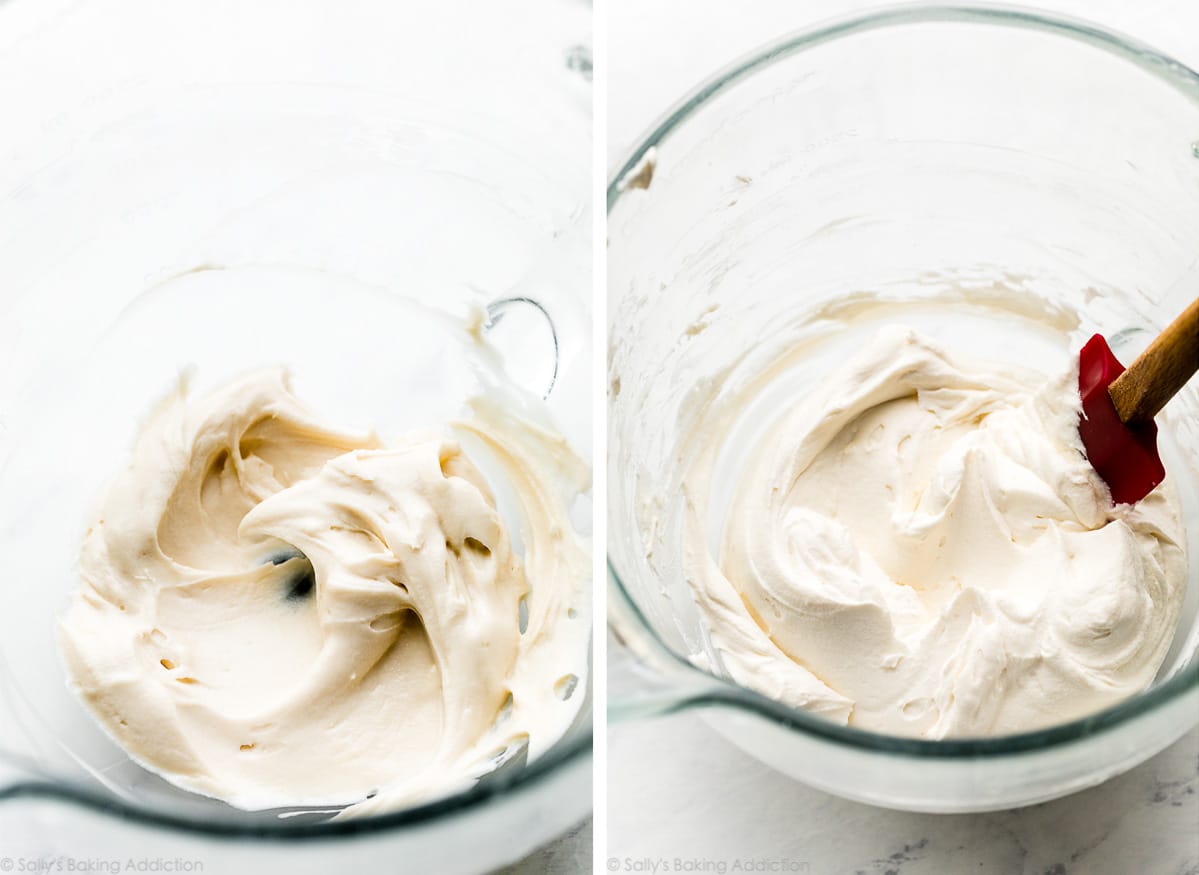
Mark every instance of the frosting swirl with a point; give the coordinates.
(921, 548)
(276, 613)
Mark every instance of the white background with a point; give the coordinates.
(677, 790)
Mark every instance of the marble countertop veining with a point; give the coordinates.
(569, 853)
(679, 792)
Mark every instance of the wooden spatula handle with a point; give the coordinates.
(1160, 371)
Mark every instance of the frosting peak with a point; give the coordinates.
(921, 548)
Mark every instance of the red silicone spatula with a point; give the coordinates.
(1118, 405)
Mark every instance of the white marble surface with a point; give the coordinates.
(570, 853)
(677, 789)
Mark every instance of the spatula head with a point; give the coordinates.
(1124, 455)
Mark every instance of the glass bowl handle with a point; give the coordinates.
(521, 329)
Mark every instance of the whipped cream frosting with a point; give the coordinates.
(920, 548)
(275, 612)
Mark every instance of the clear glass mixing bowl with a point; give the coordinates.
(1004, 181)
(344, 188)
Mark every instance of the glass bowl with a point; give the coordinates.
(229, 186)
(1001, 180)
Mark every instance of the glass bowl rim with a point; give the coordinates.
(714, 691)
(480, 793)
(1150, 60)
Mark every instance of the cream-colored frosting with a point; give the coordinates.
(921, 548)
(278, 613)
